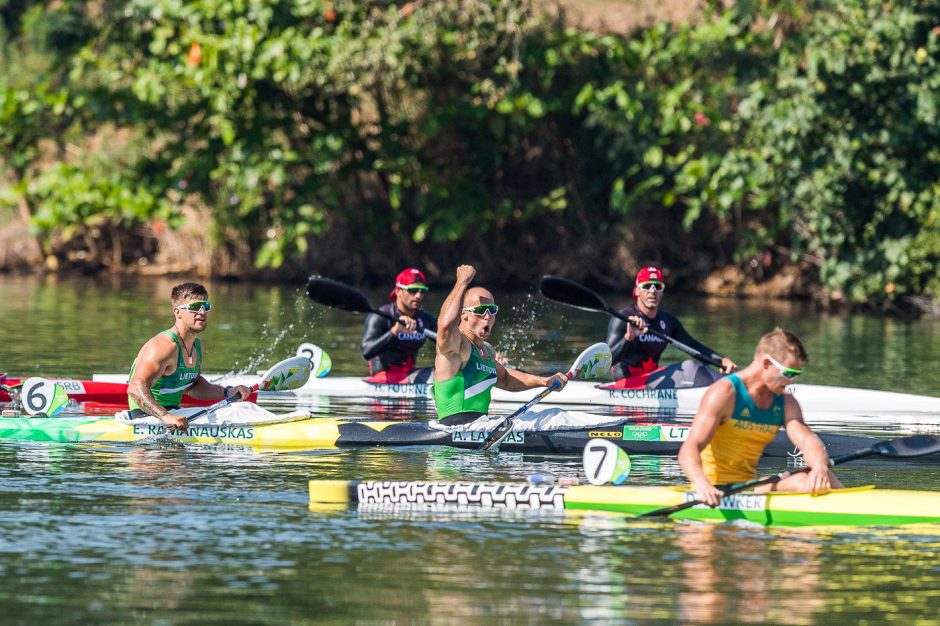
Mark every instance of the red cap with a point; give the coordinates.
(647, 275)
(410, 276)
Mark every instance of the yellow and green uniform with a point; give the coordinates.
(732, 454)
(468, 391)
(168, 390)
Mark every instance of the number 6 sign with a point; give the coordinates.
(43, 396)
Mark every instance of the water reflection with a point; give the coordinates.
(194, 534)
(744, 576)
(169, 531)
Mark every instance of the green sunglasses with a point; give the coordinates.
(481, 310)
(412, 288)
(195, 307)
(787, 372)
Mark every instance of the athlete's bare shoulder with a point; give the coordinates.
(791, 407)
(162, 344)
(718, 400)
(159, 351)
(448, 363)
(722, 387)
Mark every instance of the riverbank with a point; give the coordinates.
(190, 251)
(193, 251)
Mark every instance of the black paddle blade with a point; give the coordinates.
(496, 436)
(571, 293)
(337, 295)
(915, 445)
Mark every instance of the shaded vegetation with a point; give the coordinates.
(357, 136)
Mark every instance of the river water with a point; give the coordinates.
(160, 534)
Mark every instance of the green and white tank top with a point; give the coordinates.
(469, 390)
(168, 390)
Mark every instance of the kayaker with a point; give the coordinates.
(741, 413)
(636, 353)
(466, 365)
(170, 363)
(391, 347)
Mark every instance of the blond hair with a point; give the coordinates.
(778, 343)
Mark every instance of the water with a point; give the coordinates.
(166, 534)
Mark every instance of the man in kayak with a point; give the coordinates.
(741, 413)
(170, 363)
(636, 353)
(389, 346)
(466, 365)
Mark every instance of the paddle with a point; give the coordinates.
(290, 373)
(320, 362)
(337, 295)
(592, 363)
(580, 297)
(915, 445)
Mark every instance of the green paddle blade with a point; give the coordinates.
(320, 362)
(594, 362)
(291, 373)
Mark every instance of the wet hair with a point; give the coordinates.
(778, 343)
(188, 291)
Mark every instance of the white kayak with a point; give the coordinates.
(820, 403)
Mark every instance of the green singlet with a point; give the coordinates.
(468, 391)
(168, 390)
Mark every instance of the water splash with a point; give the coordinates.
(519, 337)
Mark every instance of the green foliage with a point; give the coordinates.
(842, 148)
(407, 126)
(71, 197)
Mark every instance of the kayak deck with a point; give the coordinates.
(861, 506)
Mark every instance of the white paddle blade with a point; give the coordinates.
(39, 395)
(594, 362)
(605, 462)
(320, 361)
(291, 373)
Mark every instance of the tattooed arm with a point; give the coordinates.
(157, 358)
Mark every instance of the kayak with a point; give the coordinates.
(820, 403)
(268, 431)
(96, 395)
(860, 506)
(634, 438)
(299, 431)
